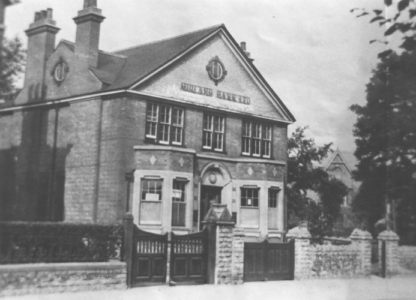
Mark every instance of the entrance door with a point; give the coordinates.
(209, 194)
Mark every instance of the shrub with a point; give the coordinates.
(23, 242)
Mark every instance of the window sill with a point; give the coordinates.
(213, 151)
(153, 142)
(249, 207)
(256, 157)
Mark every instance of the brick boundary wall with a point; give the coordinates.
(61, 277)
(331, 261)
(407, 257)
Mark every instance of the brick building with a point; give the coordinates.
(190, 117)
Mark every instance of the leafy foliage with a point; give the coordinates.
(11, 66)
(26, 242)
(386, 140)
(305, 177)
(399, 19)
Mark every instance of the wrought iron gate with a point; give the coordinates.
(189, 258)
(269, 261)
(149, 257)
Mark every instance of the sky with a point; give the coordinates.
(314, 53)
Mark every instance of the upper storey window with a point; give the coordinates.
(256, 139)
(164, 124)
(213, 133)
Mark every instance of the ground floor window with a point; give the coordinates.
(249, 197)
(272, 208)
(249, 216)
(151, 201)
(178, 203)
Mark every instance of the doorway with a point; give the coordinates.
(209, 194)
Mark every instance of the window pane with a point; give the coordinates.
(273, 198)
(164, 132)
(249, 197)
(246, 145)
(208, 122)
(218, 141)
(207, 139)
(151, 120)
(177, 135)
(151, 190)
(177, 117)
(178, 203)
(213, 135)
(178, 193)
(219, 124)
(151, 113)
(247, 129)
(266, 148)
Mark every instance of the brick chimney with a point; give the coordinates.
(243, 47)
(41, 44)
(88, 33)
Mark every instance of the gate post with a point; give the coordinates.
(220, 225)
(303, 261)
(128, 247)
(362, 240)
(391, 240)
(211, 251)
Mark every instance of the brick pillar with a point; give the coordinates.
(361, 239)
(237, 259)
(392, 260)
(303, 253)
(225, 247)
(224, 254)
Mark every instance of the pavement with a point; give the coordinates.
(373, 288)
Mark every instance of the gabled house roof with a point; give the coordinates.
(347, 158)
(125, 69)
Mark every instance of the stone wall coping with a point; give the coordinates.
(388, 235)
(299, 233)
(358, 234)
(57, 267)
(164, 148)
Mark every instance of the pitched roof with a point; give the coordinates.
(123, 68)
(143, 59)
(347, 157)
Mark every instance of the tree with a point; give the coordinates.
(12, 63)
(305, 176)
(399, 18)
(386, 141)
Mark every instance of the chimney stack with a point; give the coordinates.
(41, 44)
(88, 33)
(243, 47)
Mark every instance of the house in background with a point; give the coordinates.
(340, 166)
(190, 118)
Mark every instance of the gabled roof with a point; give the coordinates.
(143, 59)
(347, 158)
(123, 69)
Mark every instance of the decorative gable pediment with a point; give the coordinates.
(215, 74)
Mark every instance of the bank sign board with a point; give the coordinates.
(208, 92)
